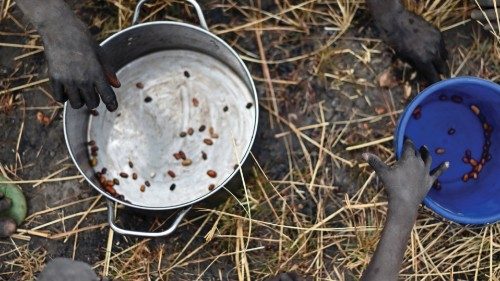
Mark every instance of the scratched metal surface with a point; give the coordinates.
(147, 133)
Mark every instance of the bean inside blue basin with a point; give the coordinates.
(459, 121)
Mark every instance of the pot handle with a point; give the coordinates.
(197, 7)
(122, 231)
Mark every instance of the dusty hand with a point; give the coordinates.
(488, 16)
(414, 40)
(7, 225)
(76, 66)
(408, 181)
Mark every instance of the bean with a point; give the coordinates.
(211, 130)
(177, 156)
(130, 164)
(134, 176)
(440, 150)
(202, 128)
(478, 168)
(249, 105)
(171, 173)
(182, 155)
(172, 186)
(457, 99)
(195, 102)
(417, 113)
(186, 73)
(102, 180)
(465, 177)
(204, 155)
(110, 190)
(39, 116)
(473, 162)
(148, 99)
(93, 162)
(93, 153)
(475, 109)
(143, 188)
(451, 131)
(468, 153)
(208, 141)
(124, 175)
(90, 143)
(116, 181)
(186, 162)
(94, 112)
(104, 170)
(225, 109)
(94, 149)
(214, 136)
(147, 183)
(212, 173)
(182, 134)
(190, 131)
(211, 187)
(139, 85)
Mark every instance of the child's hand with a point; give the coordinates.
(408, 181)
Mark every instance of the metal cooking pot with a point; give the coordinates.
(173, 75)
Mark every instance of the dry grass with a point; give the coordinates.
(324, 216)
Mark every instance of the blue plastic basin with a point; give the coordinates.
(475, 201)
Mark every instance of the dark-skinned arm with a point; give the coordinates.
(412, 38)
(406, 182)
(77, 67)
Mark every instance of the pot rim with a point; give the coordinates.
(242, 160)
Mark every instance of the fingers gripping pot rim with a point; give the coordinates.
(149, 40)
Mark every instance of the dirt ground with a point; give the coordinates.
(324, 63)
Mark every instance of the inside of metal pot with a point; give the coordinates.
(184, 122)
